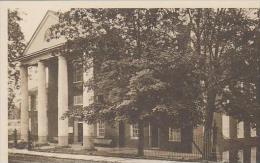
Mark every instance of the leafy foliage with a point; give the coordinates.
(142, 60)
(15, 48)
(167, 65)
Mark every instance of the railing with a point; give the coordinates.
(184, 150)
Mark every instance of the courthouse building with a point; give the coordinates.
(59, 84)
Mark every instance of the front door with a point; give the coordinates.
(154, 136)
(121, 134)
(80, 132)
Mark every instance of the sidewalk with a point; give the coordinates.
(90, 158)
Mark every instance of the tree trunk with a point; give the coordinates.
(207, 146)
(140, 151)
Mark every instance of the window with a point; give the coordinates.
(240, 129)
(253, 154)
(101, 129)
(100, 99)
(78, 100)
(225, 126)
(134, 131)
(253, 131)
(77, 73)
(174, 134)
(240, 156)
(33, 102)
(225, 156)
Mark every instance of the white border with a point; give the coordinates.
(135, 4)
(3, 87)
(4, 5)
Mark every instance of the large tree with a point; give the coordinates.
(15, 48)
(166, 64)
(142, 61)
(223, 42)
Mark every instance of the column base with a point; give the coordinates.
(88, 143)
(42, 139)
(63, 140)
(24, 137)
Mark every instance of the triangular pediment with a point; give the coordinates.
(39, 41)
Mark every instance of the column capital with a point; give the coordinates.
(23, 66)
(62, 57)
(40, 61)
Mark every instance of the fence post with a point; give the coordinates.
(15, 138)
(214, 143)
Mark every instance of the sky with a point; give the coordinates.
(31, 19)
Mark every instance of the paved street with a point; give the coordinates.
(19, 158)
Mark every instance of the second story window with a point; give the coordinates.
(253, 132)
(240, 129)
(78, 100)
(225, 126)
(77, 73)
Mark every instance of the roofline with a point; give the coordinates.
(37, 29)
(40, 52)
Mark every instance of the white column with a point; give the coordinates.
(63, 128)
(88, 95)
(24, 103)
(42, 104)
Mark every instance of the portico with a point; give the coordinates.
(53, 87)
(42, 98)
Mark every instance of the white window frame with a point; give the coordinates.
(253, 154)
(240, 129)
(134, 131)
(75, 100)
(252, 132)
(75, 71)
(101, 129)
(174, 135)
(225, 126)
(225, 156)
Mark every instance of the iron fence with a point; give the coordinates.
(185, 149)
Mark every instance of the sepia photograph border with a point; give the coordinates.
(5, 5)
